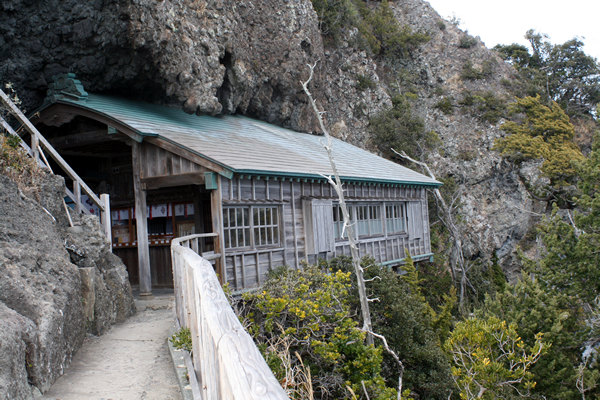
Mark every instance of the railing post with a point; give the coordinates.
(77, 193)
(105, 217)
(35, 146)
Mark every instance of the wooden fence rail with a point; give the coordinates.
(38, 145)
(226, 363)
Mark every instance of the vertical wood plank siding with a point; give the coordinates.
(156, 161)
(245, 268)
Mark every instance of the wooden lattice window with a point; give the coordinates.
(251, 226)
(265, 225)
(395, 218)
(338, 221)
(368, 220)
(236, 227)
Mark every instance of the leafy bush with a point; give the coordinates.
(400, 129)
(466, 42)
(535, 310)
(309, 311)
(445, 106)
(407, 322)
(469, 72)
(544, 133)
(484, 106)
(378, 29)
(491, 359)
(182, 340)
(364, 82)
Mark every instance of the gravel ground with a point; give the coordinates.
(130, 362)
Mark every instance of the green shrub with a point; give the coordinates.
(469, 72)
(398, 128)
(485, 106)
(308, 312)
(466, 42)
(364, 82)
(441, 24)
(445, 106)
(406, 322)
(378, 29)
(182, 340)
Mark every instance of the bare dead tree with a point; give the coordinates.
(457, 260)
(348, 227)
(396, 358)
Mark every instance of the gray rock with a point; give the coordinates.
(40, 290)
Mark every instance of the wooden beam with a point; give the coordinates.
(162, 143)
(216, 210)
(48, 117)
(81, 139)
(157, 182)
(141, 223)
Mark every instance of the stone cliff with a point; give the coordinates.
(239, 56)
(56, 286)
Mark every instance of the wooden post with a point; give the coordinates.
(198, 222)
(77, 193)
(141, 225)
(35, 146)
(216, 210)
(105, 218)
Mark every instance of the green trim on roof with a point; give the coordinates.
(349, 179)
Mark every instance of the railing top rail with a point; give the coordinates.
(177, 241)
(53, 153)
(241, 371)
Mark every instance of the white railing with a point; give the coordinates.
(226, 362)
(38, 145)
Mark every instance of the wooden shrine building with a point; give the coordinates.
(260, 187)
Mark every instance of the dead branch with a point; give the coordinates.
(338, 186)
(447, 218)
(396, 358)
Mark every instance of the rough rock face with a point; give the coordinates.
(41, 306)
(223, 57)
(248, 57)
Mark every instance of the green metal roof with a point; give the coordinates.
(248, 146)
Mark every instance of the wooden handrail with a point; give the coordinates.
(37, 137)
(37, 143)
(226, 362)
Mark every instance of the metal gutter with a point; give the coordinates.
(297, 175)
(420, 257)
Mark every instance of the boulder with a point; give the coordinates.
(41, 295)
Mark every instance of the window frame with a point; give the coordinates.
(274, 228)
(353, 207)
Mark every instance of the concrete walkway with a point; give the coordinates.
(130, 362)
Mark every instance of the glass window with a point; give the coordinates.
(394, 216)
(236, 224)
(242, 231)
(368, 220)
(338, 221)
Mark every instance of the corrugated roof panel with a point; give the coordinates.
(246, 145)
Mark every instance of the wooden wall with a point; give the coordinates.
(247, 268)
(156, 161)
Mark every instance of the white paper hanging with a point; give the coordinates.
(159, 210)
(181, 208)
(89, 205)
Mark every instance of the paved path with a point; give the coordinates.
(130, 362)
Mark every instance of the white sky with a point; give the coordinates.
(506, 21)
